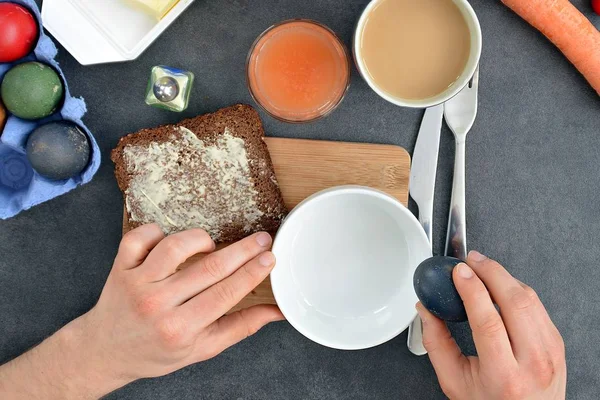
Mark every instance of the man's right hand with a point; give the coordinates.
(521, 353)
(151, 318)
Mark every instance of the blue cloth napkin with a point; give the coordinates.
(20, 187)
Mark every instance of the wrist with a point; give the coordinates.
(87, 368)
(67, 365)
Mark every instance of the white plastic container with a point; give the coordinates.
(103, 31)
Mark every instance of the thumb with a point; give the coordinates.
(489, 333)
(237, 326)
(445, 355)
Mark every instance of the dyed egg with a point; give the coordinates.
(18, 32)
(435, 288)
(31, 90)
(2, 117)
(58, 150)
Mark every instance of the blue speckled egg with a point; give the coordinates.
(58, 150)
(435, 288)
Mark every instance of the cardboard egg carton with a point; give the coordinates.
(20, 186)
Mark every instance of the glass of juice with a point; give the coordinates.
(298, 71)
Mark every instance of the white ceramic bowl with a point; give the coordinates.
(345, 263)
(474, 56)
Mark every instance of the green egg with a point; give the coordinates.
(31, 90)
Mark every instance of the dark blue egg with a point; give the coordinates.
(58, 150)
(435, 288)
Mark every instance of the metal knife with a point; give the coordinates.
(421, 188)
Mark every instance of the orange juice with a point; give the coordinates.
(298, 71)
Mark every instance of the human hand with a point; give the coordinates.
(521, 354)
(152, 319)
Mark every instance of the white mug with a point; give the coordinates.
(474, 56)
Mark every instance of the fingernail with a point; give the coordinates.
(267, 259)
(263, 239)
(476, 256)
(464, 271)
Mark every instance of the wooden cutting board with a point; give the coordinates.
(304, 167)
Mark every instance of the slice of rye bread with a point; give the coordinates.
(240, 198)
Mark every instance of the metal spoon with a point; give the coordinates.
(460, 113)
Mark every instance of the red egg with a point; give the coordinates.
(596, 6)
(18, 32)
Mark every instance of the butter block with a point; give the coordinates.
(156, 8)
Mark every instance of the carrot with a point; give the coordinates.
(568, 29)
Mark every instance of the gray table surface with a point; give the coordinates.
(533, 178)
